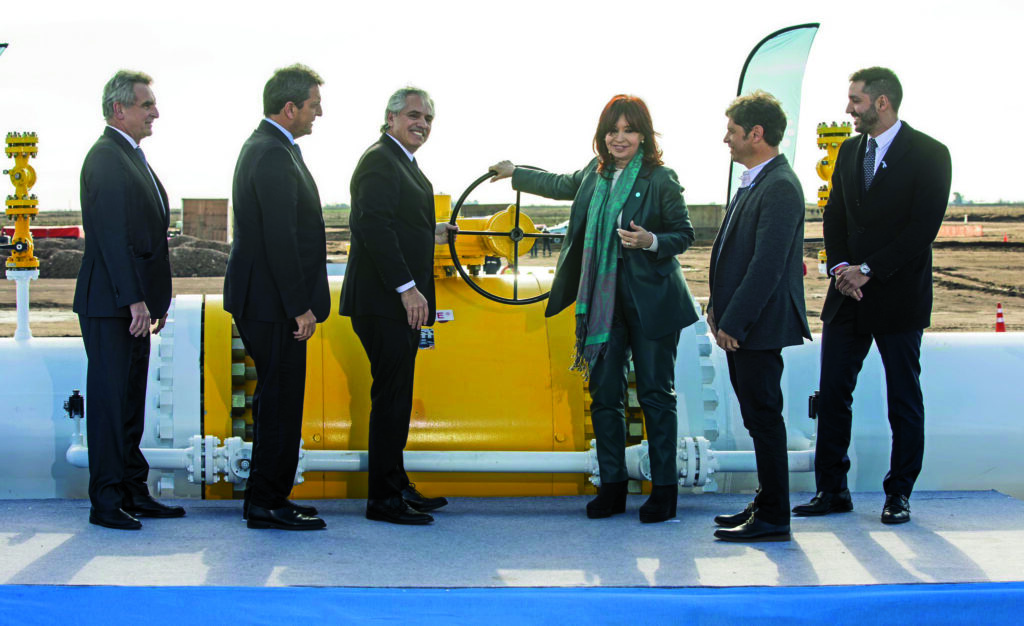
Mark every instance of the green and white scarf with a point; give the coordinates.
(595, 301)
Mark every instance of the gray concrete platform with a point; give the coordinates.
(518, 542)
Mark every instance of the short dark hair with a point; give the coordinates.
(879, 81)
(638, 118)
(759, 108)
(289, 84)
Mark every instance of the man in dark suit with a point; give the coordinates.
(389, 293)
(756, 306)
(276, 288)
(889, 194)
(122, 295)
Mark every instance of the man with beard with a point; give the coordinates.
(889, 194)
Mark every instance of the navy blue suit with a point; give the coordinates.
(891, 227)
(392, 224)
(124, 214)
(277, 271)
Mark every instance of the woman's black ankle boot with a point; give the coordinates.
(661, 505)
(611, 499)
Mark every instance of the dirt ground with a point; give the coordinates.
(972, 275)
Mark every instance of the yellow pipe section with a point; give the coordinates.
(497, 378)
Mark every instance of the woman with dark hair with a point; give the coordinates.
(618, 263)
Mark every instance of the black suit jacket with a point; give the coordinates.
(125, 220)
(277, 269)
(890, 227)
(756, 274)
(656, 280)
(392, 224)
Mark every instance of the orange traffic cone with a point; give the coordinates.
(1000, 322)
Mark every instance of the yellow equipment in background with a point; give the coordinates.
(22, 207)
(830, 137)
(496, 377)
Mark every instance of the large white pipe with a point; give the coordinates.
(744, 461)
(973, 433)
(225, 461)
(456, 461)
(158, 458)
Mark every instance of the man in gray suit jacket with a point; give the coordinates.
(756, 306)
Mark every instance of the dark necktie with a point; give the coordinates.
(142, 155)
(298, 152)
(869, 163)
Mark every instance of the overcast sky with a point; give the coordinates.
(526, 85)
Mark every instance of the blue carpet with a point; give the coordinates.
(990, 603)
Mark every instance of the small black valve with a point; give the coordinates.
(74, 406)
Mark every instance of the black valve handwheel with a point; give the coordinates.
(516, 235)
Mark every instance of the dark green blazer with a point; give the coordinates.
(655, 278)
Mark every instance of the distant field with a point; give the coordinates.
(551, 215)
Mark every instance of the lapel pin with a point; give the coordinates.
(638, 194)
(883, 165)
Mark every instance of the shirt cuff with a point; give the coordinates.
(654, 244)
(832, 272)
(406, 287)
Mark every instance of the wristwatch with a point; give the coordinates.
(864, 269)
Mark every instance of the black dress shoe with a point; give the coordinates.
(145, 506)
(611, 499)
(116, 519)
(395, 510)
(732, 521)
(308, 511)
(754, 530)
(661, 505)
(420, 502)
(284, 518)
(896, 509)
(825, 503)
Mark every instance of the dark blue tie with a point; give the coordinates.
(298, 152)
(142, 155)
(869, 163)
